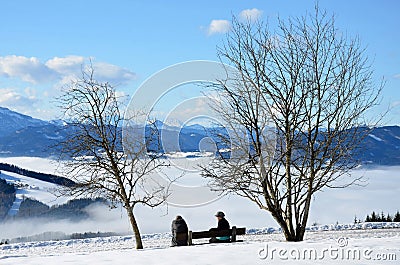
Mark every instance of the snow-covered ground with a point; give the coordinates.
(378, 246)
(329, 207)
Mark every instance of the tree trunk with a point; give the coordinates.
(135, 227)
(296, 236)
(290, 234)
(302, 227)
(293, 235)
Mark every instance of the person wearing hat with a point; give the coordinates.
(179, 232)
(223, 224)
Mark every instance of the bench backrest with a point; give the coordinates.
(228, 232)
(208, 234)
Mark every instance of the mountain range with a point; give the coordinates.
(22, 135)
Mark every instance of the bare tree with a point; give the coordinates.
(294, 110)
(101, 161)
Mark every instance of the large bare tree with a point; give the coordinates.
(101, 161)
(295, 110)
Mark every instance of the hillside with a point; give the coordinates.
(51, 178)
(15, 207)
(73, 210)
(11, 122)
(18, 196)
(7, 197)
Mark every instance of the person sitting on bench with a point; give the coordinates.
(179, 232)
(223, 224)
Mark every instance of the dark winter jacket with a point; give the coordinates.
(179, 232)
(223, 224)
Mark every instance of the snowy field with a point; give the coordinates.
(371, 246)
(327, 244)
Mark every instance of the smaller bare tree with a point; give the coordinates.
(97, 157)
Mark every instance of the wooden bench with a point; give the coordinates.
(208, 234)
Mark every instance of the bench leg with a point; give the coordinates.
(190, 241)
(233, 239)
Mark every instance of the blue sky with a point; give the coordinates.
(44, 43)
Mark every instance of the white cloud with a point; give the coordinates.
(397, 76)
(27, 69)
(112, 73)
(12, 97)
(21, 102)
(28, 101)
(70, 67)
(250, 14)
(47, 78)
(32, 70)
(66, 65)
(218, 26)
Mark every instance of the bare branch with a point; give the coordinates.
(313, 86)
(96, 156)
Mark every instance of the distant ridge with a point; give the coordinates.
(21, 135)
